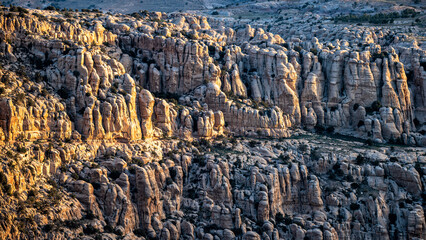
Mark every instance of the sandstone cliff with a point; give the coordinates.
(134, 126)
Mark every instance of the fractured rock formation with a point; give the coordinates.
(134, 127)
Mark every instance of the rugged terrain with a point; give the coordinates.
(181, 126)
(234, 8)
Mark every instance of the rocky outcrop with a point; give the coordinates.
(134, 126)
(24, 118)
(319, 88)
(158, 187)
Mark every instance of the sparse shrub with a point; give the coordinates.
(210, 227)
(279, 217)
(30, 102)
(72, 224)
(113, 89)
(205, 143)
(89, 229)
(199, 159)
(376, 105)
(331, 175)
(303, 147)
(349, 178)
(55, 195)
(169, 181)
(139, 232)
(114, 174)
(38, 77)
(297, 48)
(52, 8)
(339, 172)
(32, 193)
(237, 231)
(379, 18)
(81, 111)
(76, 73)
(108, 228)
(319, 129)
(253, 143)
(9, 154)
(18, 9)
(21, 149)
(132, 170)
(64, 93)
(360, 159)
(396, 141)
(122, 92)
(48, 227)
(8, 189)
(419, 169)
(90, 215)
(44, 92)
(416, 122)
(20, 97)
(68, 14)
(40, 16)
(285, 159)
(369, 142)
(6, 79)
(3, 179)
(355, 106)
(173, 173)
(316, 154)
(287, 220)
(138, 162)
(192, 194)
(75, 176)
(63, 168)
(354, 206)
(189, 35)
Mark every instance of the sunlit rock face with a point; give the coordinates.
(180, 126)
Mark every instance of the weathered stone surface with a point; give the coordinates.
(134, 126)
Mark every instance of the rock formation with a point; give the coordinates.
(179, 126)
